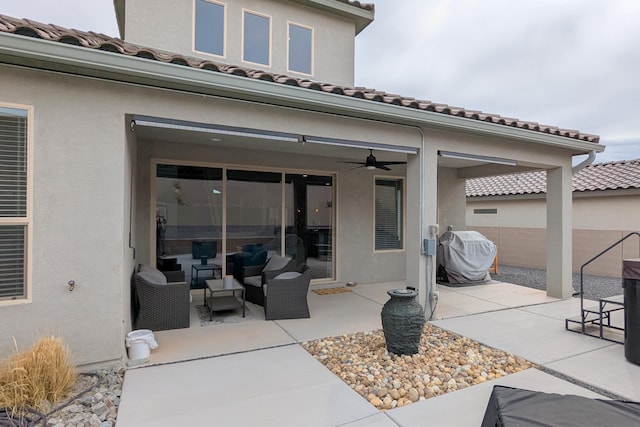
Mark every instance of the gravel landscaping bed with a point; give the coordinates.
(445, 362)
(96, 403)
(595, 287)
(93, 403)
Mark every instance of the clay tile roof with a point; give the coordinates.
(91, 40)
(618, 175)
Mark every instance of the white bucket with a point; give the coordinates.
(139, 344)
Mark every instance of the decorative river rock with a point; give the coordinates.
(402, 321)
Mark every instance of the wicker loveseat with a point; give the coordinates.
(159, 305)
(285, 297)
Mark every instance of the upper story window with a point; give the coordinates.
(14, 206)
(257, 38)
(209, 27)
(300, 49)
(389, 216)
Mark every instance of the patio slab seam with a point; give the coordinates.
(555, 373)
(610, 344)
(504, 308)
(596, 389)
(212, 356)
(296, 340)
(363, 419)
(366, 297)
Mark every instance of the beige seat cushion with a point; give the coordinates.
(253, 281)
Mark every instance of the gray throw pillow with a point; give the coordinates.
(253, 281)
(276, 262)
(152, 275)
(288, 275)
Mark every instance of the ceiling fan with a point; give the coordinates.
(371, 163)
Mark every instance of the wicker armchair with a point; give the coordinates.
(160, 305)
(287, 298)
(253, 277)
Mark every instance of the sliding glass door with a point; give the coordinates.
(200, 211)
(309, 215)
(254, 216)
(188, 227)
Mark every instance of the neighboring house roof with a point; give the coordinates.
(91, 40)
(623, 174)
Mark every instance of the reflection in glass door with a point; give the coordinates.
(254, 206)
(189, 221)
(309, 221)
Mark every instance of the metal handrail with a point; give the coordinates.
(589, 262)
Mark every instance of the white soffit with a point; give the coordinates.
(216, 129)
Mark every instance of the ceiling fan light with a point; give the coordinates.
(371, 167)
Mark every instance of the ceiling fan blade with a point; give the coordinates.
(371, 163)
(392, 163)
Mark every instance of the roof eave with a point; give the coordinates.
(607, 192)
(361, 16)
(503, 197)
(60, 57)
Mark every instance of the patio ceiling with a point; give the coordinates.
(256, 139)
(218, 136)
(308, 149)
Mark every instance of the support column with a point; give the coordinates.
(559, 234)
(420, 270)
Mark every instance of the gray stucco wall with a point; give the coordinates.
(78, 222)
(87, 160)
(451, 200)
(170, 28)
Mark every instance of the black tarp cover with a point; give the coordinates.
(510, 407)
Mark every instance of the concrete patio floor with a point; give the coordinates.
(256, 373)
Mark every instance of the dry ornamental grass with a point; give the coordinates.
(37, 378)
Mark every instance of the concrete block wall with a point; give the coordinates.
(525, 247)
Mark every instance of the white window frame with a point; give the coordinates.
(404, 212)
(252, 12)
(289, 24)
(27, 220)
(224, 30)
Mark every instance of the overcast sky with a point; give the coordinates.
(568, 63)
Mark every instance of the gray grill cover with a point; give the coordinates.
(466, 256)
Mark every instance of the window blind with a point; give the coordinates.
(12, 261)
(13, 201)
(13, 163)
(388, 212)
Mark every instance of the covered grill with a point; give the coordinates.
(465, 256)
